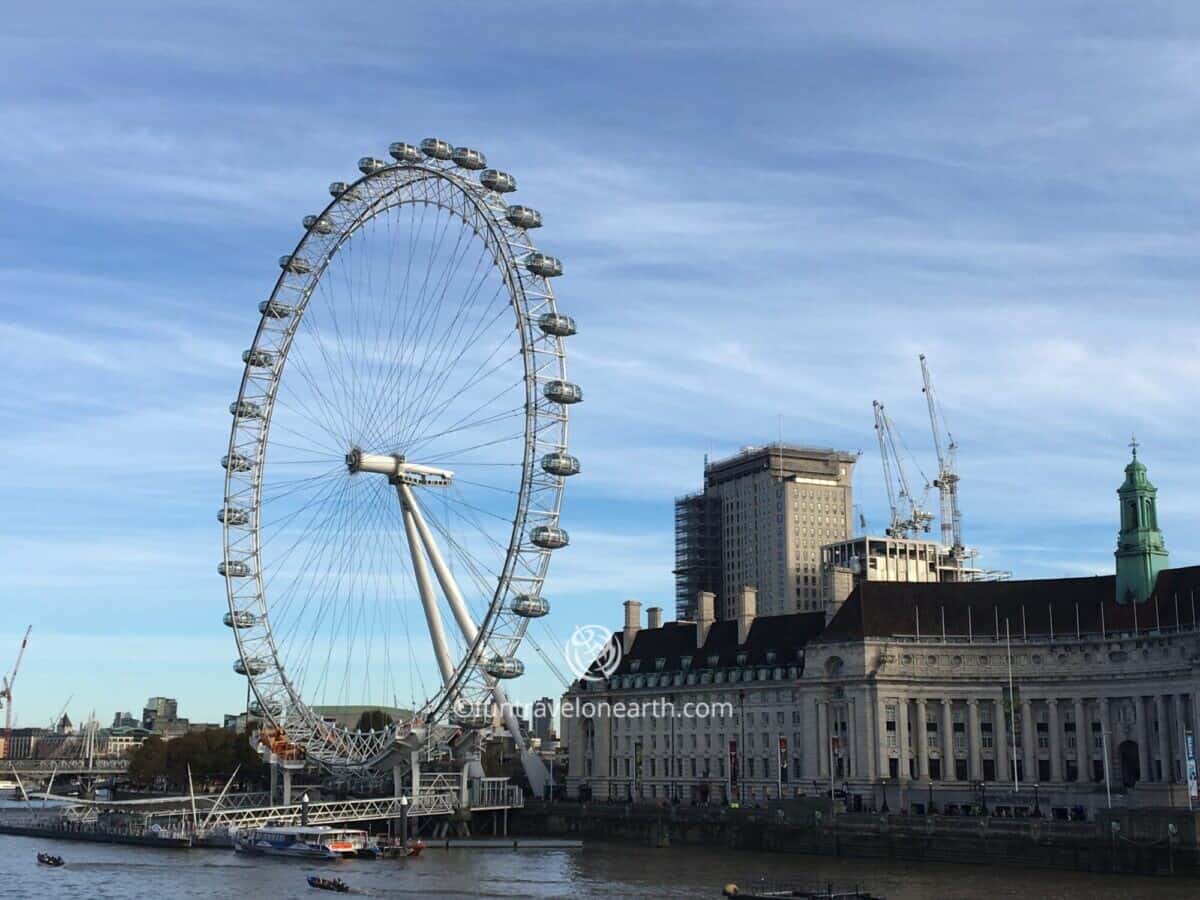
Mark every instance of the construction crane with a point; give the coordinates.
(909, 516)
(947, 476)
(6, 686)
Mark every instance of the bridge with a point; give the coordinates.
(66, 766)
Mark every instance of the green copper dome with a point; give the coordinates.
(1141, 554)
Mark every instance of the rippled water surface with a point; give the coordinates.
(598, 870)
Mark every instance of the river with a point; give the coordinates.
(597, 870)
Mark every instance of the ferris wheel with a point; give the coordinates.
(397, 458)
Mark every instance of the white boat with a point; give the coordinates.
(306, 841)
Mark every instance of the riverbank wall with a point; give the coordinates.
(1147, 842)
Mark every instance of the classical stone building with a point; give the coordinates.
(1054, 695)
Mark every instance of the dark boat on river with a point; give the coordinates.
(328, 884)
(47, 859)
(773, 892)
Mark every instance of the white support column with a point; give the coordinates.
(433, 615)
(974, 741)
(1056, 767)
(922, 741)
(949, 768)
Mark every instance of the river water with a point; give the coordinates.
(597, 870)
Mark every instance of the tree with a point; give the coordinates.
(211, 755)
(373, 720)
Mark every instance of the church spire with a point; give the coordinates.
(1141, 554)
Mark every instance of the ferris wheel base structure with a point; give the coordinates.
(396, 466)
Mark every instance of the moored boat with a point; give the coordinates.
(305, 841)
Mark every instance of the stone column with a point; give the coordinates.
(822, 739)
(975, 761)
(1056, 767)
(811, 739)
(1000, 735)
(1028, 742)
(902, 737)
(1160, 714)
(948, 767)
(1106, 739)
(1177, 751)
(922, 741)
(1143, 732)
(1082, 751)
(853, 766)
(884, 769)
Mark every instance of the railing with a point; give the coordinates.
(441, 803)
(495, 793)
(65, 765)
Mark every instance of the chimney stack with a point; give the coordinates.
(747, 608)
(633, 622)
(654, 617)
(704, 616)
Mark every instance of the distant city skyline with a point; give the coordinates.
(763, 217)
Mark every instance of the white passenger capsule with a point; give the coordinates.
(405, 153)
(319, 224)
(436, 149)
(550, 537)
(297, 265)
(467, 158)
(275, 309)
(258, 710)
(235, 462)
(541, 264)
(259, 359)
(562, 392)
(369, 165)
(530, 607)
(233, 515)
(523, 217)
(343, 191)
(245, 409)
(504, 667)
(235, 568)
(241, 619)
(562, 464)
(251, 666)
(500, 182)
(556, 324)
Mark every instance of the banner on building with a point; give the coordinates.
(783, 760)
(733, 764)
(1189, 747)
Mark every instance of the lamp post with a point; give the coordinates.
(883, 783)
(846, 795)
(929, 807)
(404, 822)
(304, 809)
(1037, 807)
(982, 797)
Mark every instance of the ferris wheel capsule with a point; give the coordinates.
(561, 464)
(251, 666)
(466, 158)
(240, 619)
(260, 359)
(563, 392)
(233, 515)
(339, 190)
(295, 265)
(319, 224)
(436, 149)
(245, 409)
(235, 462)
(550, 537)
(369, 165)
(275, 309)
(235, 568)
(523, 217)
(530, 607)
(541, 264)
(500, 182)
(404, 153)
(556, 324)
(504, 667)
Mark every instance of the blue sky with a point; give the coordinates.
(763, 213)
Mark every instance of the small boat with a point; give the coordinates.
(414, 848)
(828, 892)
(328, 884)
(47, 859)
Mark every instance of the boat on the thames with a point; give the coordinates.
(305, 841)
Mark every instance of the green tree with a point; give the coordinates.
(373, 720)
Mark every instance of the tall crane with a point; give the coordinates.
(6, 686)
(947, 476)
(909, 516)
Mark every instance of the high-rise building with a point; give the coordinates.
(543, 718)
(159, 711)
(760, 522)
